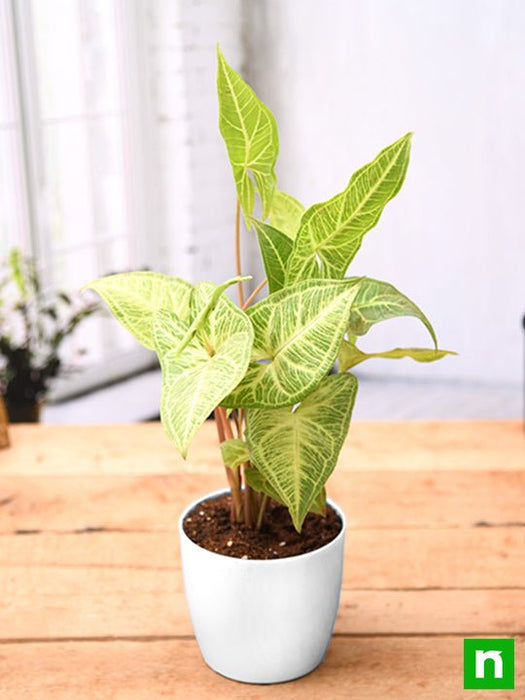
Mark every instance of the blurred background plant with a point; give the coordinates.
(34, 322)
(110, 160)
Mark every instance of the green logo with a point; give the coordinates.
(488, 663)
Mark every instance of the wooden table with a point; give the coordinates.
(91, 600)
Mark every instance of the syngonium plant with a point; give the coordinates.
(270, 366)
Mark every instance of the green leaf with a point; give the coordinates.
(298, 331)
(250, 133)
(285, 214)
(296, 448)
(211, 364)
(257, 481)
(15, 262)
(199, 321)
(275, 249)
(331, 232)
(134, 297)
(234, 453)
(319, 504)
(350, 355)
(379, 301)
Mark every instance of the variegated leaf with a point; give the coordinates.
(319, 504)
(134, 297)
(250, 133)
(331, 232)
(257, 481)
(297, 333)
(201, 314)
(275, 249)
(234, 453)
(379, 301)
(211, 364)
(285, 214)
(350, 355)
(296, 448)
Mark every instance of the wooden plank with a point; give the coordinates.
(154, 502)
(377, 559)
(54, 603)
(371, 446)
(367, 668)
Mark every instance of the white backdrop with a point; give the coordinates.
(347, 77)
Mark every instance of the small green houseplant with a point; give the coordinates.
(34, 322)
(276, 372)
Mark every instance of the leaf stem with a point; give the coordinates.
(224, 432)
(247, 498)
(247, 494)
(254, 294)
(238, 251)
(237, 421)
(228, 432)
(262, 509)
(240, 423)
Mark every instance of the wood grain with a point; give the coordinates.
(55, 603)
(366, 668)
(154, 502)
(460, 558)
(371, 446)
(91, 598)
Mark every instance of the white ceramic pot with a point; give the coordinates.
(262, 621)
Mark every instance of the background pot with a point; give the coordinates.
(4, 434)
(23, 412)
(262, 621)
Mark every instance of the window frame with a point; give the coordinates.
(140, 169)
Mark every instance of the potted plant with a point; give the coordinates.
(33, 325)
(262, 560)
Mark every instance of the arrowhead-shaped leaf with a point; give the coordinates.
(319, 504)
(257, 481)
(134, 297)
(296, 448)
(285, 214)
(275, 249)
(202, 314)
(379, 301)
(331, 232)
(250, 133)
(297, 333)
(234, 453)
(211, 364)
(350, 355)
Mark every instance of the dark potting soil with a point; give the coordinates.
(209, 526)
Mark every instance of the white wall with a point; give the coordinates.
(347, 77)
(196, 194)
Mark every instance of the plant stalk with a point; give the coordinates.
(233, 479)
(237, 421)
(262, 510)
(254, 294)
(247, 498)
(247, 494)
(220, 433)
(238, 251)
(226, 425)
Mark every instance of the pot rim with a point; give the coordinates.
(282, 561)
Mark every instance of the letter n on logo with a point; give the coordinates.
(488, 664)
